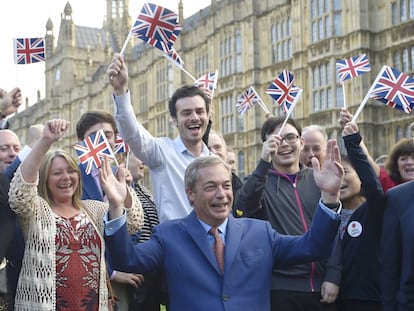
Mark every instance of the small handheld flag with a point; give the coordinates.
(29, 50)
(352, 67)
(91, 149)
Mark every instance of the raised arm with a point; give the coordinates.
(53, 131)
(345, 117)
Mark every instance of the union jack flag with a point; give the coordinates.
(247, 100)
(92, 149)
(155, 22)
(120, 145)
(208, 81)
(393, 88)
(29, 50)
(352, 67)
(283, 91)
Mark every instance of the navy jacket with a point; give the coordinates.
(362, 236)
(398, 249)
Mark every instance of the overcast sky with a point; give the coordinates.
(27, 18)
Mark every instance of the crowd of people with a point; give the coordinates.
(309, 229)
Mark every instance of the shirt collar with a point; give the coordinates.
(222, 228)
(182, 148)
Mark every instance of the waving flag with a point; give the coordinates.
(352, 67)
(393, 88)
(29, 50)
(247, 100)
(91, 149)
(120, 145)
(155, 22)
(208, 81)
(283, 91)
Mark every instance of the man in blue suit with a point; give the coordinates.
(182, 248)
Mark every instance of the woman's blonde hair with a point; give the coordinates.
(45, 171)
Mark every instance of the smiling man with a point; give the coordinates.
(230, 270)
(284, 192)
(166, 159)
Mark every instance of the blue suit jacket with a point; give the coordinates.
(397, 249)
(90, 190)
(181, 250)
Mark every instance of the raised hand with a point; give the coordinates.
(117, 73)
(10, 101)
(329, 175)
(114, 187)
(270, 147)
(55, 129)
(344, 117)
(350, 128)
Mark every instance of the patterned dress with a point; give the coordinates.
(78, 252)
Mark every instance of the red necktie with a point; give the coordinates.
(218, 248)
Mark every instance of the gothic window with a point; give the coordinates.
(322, 96)
(325, 19)
(227, 111)
(281, 40)
(231, 54)
(164, 78)
(402, 11)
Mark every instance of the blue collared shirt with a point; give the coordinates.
(166, 159)
(221, 229)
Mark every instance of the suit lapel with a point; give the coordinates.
(233, 238)
(199, 236)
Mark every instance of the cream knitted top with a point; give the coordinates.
(36, 288)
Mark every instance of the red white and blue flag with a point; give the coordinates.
(352, 67)
(247, 100)
(157, 23)
(393, 88)
(207, 81)
(284, 92)
(92, 149)
(29, 50)
(120, 145)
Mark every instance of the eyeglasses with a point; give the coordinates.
(290, 138)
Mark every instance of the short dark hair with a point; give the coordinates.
(186, 91)
(91, 118)
(274, 122)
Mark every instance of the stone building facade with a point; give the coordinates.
(249, 42)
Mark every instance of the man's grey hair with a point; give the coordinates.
(192, 171)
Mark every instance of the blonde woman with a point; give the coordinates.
(63, 265)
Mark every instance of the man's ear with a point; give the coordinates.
(174, 121)
(190, 195)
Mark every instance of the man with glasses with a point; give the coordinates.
(284, 192)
